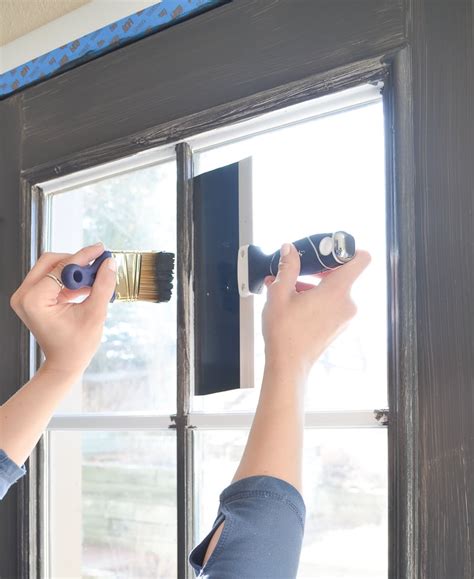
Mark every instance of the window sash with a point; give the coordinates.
(185, 421)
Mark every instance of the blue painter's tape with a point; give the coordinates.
(106, 39)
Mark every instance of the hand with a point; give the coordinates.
(68, 333)
(301, 320)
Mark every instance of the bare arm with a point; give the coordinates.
(299, 322)
(24, 417)
(68, 333)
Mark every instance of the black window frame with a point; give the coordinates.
(228, 65)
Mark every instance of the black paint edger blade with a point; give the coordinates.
(222, 207)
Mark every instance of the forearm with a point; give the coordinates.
(24, 417)
(275, 443)
(274, 446)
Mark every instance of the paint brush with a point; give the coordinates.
(318, 253)
(141, 276)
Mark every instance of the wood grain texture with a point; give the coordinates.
(441, 35)
(222, 56)
(402, 339)
(299, 91)
(11, 335)
(185, 357)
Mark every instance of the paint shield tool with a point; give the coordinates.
(229, 269)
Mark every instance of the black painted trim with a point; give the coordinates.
(402, 338)
(185, 357)
(226, 55)
(153, 136)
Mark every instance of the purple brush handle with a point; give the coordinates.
(76, 276)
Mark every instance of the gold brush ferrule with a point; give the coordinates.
(129, 265)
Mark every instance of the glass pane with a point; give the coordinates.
(113, 505)
(135, 367)
(345, 491)
(321, 176)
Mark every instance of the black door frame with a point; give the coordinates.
(238, 61)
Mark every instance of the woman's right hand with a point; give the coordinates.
(301, 320)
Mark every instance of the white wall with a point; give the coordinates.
(75, 24)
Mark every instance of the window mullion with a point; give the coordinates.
(185, 357)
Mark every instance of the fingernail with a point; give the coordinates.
(111, 264)
(285, 250)
(98, 243)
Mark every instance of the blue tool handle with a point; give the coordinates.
(76, 276)
(317, 254)
(312, 260)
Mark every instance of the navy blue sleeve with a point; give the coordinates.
(9, 473)
(263, 532)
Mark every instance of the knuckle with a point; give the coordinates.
(15, 301)
(61, 265)
(28, 302)
(351, 309)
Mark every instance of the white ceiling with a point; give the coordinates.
(18, 17)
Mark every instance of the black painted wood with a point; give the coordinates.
(10, 328)
(356, 73)
(227, 54)
(184, 357)
(402, 339)
(442, 56)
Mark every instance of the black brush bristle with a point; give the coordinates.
(156, 277)
(164, 275)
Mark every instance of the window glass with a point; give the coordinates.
(345, 492)
(135, 367)
(113, 504)
(320, 176)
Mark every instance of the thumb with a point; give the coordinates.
(103, 288)
(288, 270)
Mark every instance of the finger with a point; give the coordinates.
(68, 295)
(46, 262)
(302, 286)
(322, 274)
(344, 276)
(102, 290)
(288, 271)
(269, 280)
(47, 289)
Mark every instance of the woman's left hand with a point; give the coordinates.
(68, 333)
